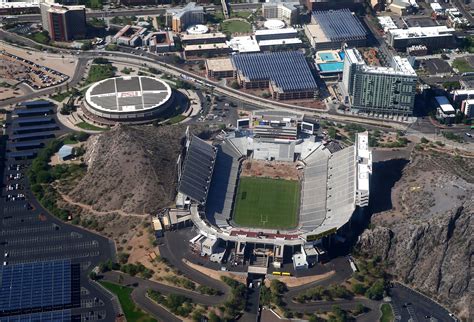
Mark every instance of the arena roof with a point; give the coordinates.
(288, 70)
(339, 25)
(197, 172)
(128, 94)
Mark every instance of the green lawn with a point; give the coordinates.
(100, 72)
(176, 119)
(234, 26)
(88, 126)
(387, 313)
(267, 203)
(132, 313)
(462, 65)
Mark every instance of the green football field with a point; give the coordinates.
(267, 203)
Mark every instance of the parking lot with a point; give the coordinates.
(29, 234)
(28, 72)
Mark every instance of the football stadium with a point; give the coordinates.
(134, 99)
(273, 181)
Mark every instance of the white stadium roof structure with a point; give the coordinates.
(333, 185)
(128, 97)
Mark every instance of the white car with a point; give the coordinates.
(469, 135)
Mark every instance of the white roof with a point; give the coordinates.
(273, 24)
(421, 32)
(275, 31)
(444, 104)
(299, 260)
(244, 44)
(273, 42)
(436, 6)
(387, 23)
(197, 29)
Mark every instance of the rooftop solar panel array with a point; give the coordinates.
(40, 110)
(56, 316)
(37, 285)
(105, 87)
(29, 120)
(197, 172)
(27, 136)
(22, 154)
(32, 144)
(151, 85)
(288, 70)
(40, 127)
(340, 25)
(35, 104)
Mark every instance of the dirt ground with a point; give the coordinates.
(430, 187)
(270, 169)
(64, 65)
(216, 274)
(6, 93)
(292, 281)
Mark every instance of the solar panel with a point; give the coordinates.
(36, 104)
(62, 315)
(197, 171)
(288, 70)
(340, 25)
(22, 154)
(35, 287)
(21, 121)
(39, 127)
(41, 110)
(32, 135)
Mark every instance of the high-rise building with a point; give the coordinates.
(375, 89)
(63, 23)
(181, 18)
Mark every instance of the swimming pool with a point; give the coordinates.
(328, 56)
(331, 67)
(342, 54)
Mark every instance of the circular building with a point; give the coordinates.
(197, 30)
(274, 24)
(127, 99)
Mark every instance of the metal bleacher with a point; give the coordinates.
(314, 191)
(197, 172)
(223, 184)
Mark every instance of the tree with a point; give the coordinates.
(213, 317)
(120, 279)
(86, 45)
(358, 288)
(375, 292)
(234, 85)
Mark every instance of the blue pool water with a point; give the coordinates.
(327, 56)
(341, 54)
(331, 67)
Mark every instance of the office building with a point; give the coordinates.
(207, 50)
(160, 41)
(181, 18)
(460, 95)
(284, 33)
(129, 36)
(433, 38)
(277, 9)
(331, 29)
(63, 23)
(220, 68)
(199, 39)
(374, 89)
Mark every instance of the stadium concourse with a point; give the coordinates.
(333, 185)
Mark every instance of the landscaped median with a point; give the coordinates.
(130, 310)
(387, 313)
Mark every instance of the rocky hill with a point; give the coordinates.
(131, 169)
(427, 237)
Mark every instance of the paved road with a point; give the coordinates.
(409, 304)
(141, 286)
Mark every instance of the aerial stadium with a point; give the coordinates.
(273, 182)
(135, 99)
